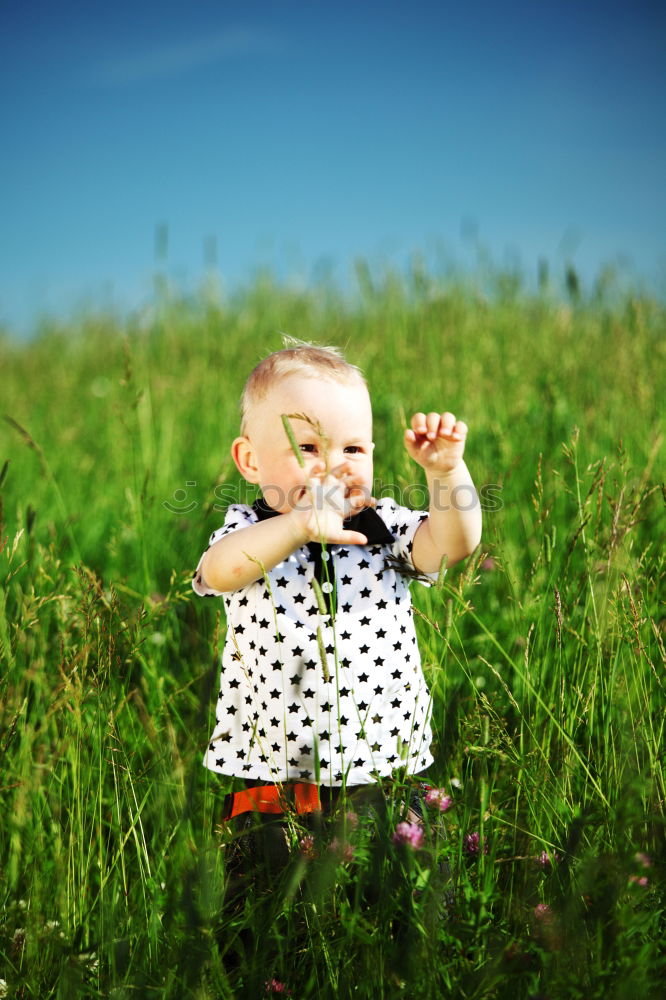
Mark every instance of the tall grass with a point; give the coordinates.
(544, 652)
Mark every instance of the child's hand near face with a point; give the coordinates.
(329, 498)
(436, 441)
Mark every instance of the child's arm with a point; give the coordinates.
(241, 557)
(453, 525)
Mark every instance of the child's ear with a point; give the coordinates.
(243, 455)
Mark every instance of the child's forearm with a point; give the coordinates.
(453, 527)
(241, 557)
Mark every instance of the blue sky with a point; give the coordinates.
(299, 135)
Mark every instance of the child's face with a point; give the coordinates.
(340, 435)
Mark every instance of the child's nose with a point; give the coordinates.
(341, 466)
(318, 468)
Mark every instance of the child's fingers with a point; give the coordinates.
(358, 501)
(460, 430)
(419, 425)
(328, 494)
(455, 430)
(433, 421)
(349, 538)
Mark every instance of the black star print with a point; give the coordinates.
(362, 705)
(275, 693)
(295, 679)
(396, 675)
(344, 692)
(395, 703)
(299, 598)
(309, 693)
(323, 764)
(346, 579)
(231, 710)
(364, 564)
(365, 592)
(297, 651)
(359, 762)
(243, 602)
(276, 665)
(397, 645)
(293, 709)
(281, 581)
(345, 635)
(381, 605)
(324, 736)
(378, 689)
(364, 620)
(380, 633)
(376, 719)
(379, 662)
(364, 649)
(363, 677)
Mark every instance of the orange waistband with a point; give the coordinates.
(276, 799)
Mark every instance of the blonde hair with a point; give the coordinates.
(296, 358)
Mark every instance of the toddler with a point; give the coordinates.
(321, 685)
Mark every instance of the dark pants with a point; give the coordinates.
(275, 861)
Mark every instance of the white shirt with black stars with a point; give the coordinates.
(278, 717)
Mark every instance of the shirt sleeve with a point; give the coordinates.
(237, 516)
(403, 523)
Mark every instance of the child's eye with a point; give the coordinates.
(353, 449)
(309, 448)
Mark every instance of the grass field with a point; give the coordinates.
(544, 653)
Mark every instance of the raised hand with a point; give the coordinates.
(436, 441)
